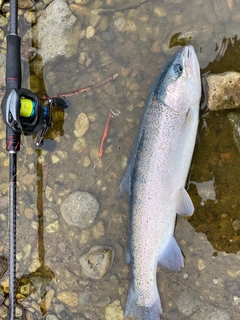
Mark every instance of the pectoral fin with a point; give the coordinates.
(184, 203)
(172, 257)
(128, 257)
(124, 185)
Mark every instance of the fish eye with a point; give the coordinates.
(178, 69)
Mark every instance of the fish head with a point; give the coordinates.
(179, 84)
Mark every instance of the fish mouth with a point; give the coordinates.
(188, 58)
(191, 63)
(189, 49)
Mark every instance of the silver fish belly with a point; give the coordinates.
(155, 180)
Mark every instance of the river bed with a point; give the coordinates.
(136, 47)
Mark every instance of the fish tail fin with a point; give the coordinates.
(141, 312)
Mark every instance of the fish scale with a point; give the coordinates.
(155, 179)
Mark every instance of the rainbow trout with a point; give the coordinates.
(155, 179)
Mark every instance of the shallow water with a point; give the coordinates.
(208, 287)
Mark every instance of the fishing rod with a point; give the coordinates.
(22, 113)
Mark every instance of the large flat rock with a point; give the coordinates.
(57, 31)
(223, 91)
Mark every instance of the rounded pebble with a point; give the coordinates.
(201, 264)
(82, 2)
(130, 26)
(68, 297)
(84, 297)
(3, 21)
(3, 265)
(25, 4)
(29, 316)
(48, 299)
(19, 312)
(90, 31)
(2, 59)
(81, 125)
(51, 317)
(52, 227)
(3, 311)
(156, 46)
(187, 303)
(79, 209)
(30, 16)
(98, 230)
(114, 311)
(29, 213)
(236, 224)
(108, 35)
(119, 23)
(79, 145)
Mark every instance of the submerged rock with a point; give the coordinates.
(82, 2)
(4, 200)
(81, 125)
(236, 224)
(2, 298)
(57, 32)
(51, 317)
(97, 261)
(25, 4)
(68, 297)
(3, 311)
(187, 303)
(234, 118)
(223, 91)
(79, 209)
(222, 10)
(85, 296)
(26, 289)
(114, 311)
(41, 284)
(48, 299)
(3, 266)
(209, 312)
(2, 70)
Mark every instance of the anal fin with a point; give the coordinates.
(184, 203)
(172, 258)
